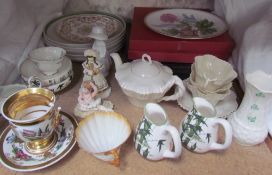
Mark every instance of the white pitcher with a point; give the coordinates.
(199, 129)
(248, 122)
(155, 138)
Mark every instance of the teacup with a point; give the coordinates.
(33, 118)
(213, 71)
(48, 59)
(155, 138)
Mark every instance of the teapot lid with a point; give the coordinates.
(145, 68)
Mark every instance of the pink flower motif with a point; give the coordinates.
(167, 17)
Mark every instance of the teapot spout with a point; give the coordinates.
(117, 60)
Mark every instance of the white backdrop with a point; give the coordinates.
(250, 25)
(21, 24)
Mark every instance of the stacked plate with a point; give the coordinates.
(55, 82)
(70, 32)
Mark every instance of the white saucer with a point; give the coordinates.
(61, 85)
(223, 108)
(29, 68)
(14, 156)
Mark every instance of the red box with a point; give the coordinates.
(178, 57)
(163, 48)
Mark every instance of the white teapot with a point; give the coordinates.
(145, 80)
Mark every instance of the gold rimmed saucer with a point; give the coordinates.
(14, 155)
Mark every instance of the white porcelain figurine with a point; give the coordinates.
(92, 72)
(87, 96)
(93, 89)
(99, 35)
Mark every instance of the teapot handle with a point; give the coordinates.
(178, 92)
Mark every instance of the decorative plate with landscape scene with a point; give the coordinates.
(185, 23)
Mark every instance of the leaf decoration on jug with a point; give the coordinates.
(143, 130)
(191, 129)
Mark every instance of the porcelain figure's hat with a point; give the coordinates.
(98, 33)
(90, 53)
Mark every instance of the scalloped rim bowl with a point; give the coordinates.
(47, 54)
(102, 134)
(218, 71)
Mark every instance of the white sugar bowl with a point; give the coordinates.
(48, 59)
(144, 80)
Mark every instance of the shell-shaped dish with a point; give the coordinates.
(102, 134)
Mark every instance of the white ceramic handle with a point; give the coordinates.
(178, 92)
(176, 140)
(200, 103)
(228, 134)
(146, 58)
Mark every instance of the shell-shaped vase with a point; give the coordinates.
(102, 134)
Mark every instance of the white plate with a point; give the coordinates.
(80, 50)
(81, 57)
(76, 28)
(51, 34)
(15, 157)
(185, 23)
(223, 108)
(29, 68)
(77, 58)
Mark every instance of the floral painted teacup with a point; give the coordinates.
(33, 117)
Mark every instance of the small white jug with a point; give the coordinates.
(199, 129)
(155, 137)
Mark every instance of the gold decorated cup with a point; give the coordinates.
(33, 118)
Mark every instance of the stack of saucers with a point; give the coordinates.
(70, 32)
(41, 64)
